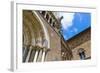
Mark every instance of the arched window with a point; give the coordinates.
(81, 53)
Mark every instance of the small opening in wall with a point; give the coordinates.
(81, 53)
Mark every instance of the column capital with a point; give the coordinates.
(46, 49)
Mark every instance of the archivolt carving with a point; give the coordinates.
(33, 32)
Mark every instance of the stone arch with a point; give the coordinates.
(34, 35)
(37, 29)
(44, 29)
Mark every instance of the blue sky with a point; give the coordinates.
(74, 23)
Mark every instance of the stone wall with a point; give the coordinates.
(81, 40)
(86, 46)
(54, 54)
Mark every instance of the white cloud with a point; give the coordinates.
(71, 31)
(67, 19)
(75, 29)
(80, 17)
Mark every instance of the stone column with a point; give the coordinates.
(43, 55)
(24, 50)
(40, 11)
(40, 56)
(28, 56)
(32, 55)
(25, 53)
(49, 19)
(45, 14)
(36, 55)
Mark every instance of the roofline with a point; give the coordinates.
(79, 33)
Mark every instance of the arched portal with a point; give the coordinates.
(35, 38)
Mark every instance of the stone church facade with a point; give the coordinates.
(42, 39)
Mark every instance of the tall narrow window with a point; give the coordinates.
(50, 20)
(81, 53)
(53, 24)
(43, 12)
(47, 16)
